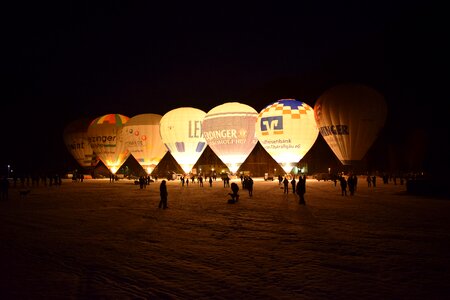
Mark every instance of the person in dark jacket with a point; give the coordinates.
(234, 193)
(293, 184)
(163, 194)
(301, 189)
(343, 186)
(249, 185)
(286, 185)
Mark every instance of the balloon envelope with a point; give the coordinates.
(76, 140)
(141, 137)
(229, 130)
(181, 132)
(287, 130)
(350, 117)
(104, 137)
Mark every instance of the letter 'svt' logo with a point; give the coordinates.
(271, 125)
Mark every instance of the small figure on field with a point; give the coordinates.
(163, 194)
(234, 193)
(301, 189)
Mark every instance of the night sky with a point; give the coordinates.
(65, 61)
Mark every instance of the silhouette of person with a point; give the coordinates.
(293, 184)
(249, 185)
(286, 185)
(234, 192)
(351, 184)
(343, 186)
(163, 194)
(141, 182)
(301, 189)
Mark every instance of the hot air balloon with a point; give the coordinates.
(287, 130)
(181, 132)
(76, 140)
(104, 137)
(350, 117)
(229, 130)
(141, 137)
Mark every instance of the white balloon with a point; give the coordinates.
(229, 130)
(181, 132)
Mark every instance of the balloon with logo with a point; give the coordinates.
(229, 130)
(287, 130)
(181, 132)
(349, 118)
(141, 137)
(76, 141)
(104, 137)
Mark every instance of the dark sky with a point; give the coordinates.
(69, 60)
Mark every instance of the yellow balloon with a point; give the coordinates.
(141, 137)
(104, 138)
(287, 130)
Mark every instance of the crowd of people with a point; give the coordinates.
(297, 184)
(348, 185)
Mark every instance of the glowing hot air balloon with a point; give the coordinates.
(104, 138)
(287, 130)
(349, 117)
(229, 130)
(76, 140)
(181, 132)
(141, 137)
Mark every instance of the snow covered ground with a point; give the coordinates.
(106, 240)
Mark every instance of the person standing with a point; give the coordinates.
(141, 182)
(293, 184)
(343, 185)
(351, 185)
(286, 185)
(163, 194)
(301, 189)
(249, 185)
